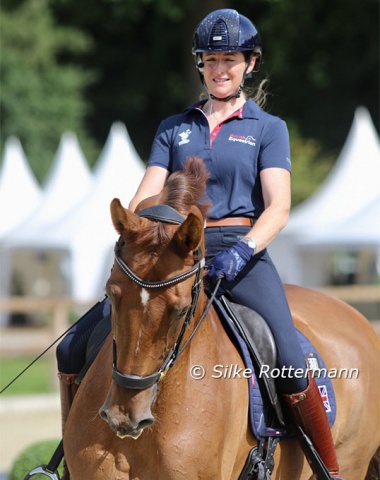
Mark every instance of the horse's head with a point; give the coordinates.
(153, 290)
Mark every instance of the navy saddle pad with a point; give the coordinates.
(257, 407)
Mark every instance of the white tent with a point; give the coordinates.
(84, 235)
(352, 185)
(19, 196)
(19, 191)
(68, 182)
(350, 250)
(360, 230)
(26, 267)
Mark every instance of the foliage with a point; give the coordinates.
(323, 61)
(137, 47)
(37, 379)
(42, 96)
(310, 166)
(88, 64)
(37, 454)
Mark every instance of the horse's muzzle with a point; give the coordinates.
(123, 425)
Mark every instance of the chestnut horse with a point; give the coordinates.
(135, 418)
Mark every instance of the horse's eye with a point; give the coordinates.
(113, 292)
(182, 312)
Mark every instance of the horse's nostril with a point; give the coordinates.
(103, 413)
(145, 423)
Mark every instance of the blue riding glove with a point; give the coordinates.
(229, 262)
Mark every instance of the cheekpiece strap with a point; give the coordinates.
(162, 213)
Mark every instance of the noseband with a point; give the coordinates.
(165, 214)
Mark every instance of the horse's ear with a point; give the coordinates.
(122, 218)
(189, 235)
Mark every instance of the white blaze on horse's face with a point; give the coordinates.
(144, 297)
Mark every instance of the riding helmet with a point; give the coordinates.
(226, 30)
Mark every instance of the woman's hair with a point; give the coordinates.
(258, 92)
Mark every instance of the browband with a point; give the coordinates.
(162, 213)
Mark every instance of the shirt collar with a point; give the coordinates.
(248, 110)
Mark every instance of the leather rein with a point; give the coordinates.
(166, 214)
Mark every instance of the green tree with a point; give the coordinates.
(321, 58)
(310, 165)
(142, 57)
(42, 95)
(323, 61)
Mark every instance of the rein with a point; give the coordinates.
(166, 214)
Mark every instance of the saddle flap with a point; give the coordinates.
(260, 342)
(255, 330)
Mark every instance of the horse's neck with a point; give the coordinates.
(195, 380)
(210, 343)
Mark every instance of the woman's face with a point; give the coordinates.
(223, 72)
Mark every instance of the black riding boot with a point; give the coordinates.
(68, 388)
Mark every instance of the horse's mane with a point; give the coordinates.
(187, 187)
(183, 190)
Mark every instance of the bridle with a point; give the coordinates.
(165, 214)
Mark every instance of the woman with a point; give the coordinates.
(246, 152)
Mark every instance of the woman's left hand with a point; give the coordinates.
(229, 262)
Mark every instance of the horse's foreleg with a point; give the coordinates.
(290, 462)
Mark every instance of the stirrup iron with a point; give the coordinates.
(43, 470)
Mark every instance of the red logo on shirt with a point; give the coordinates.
(241, 139)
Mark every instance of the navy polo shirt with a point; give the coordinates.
(245, 144)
